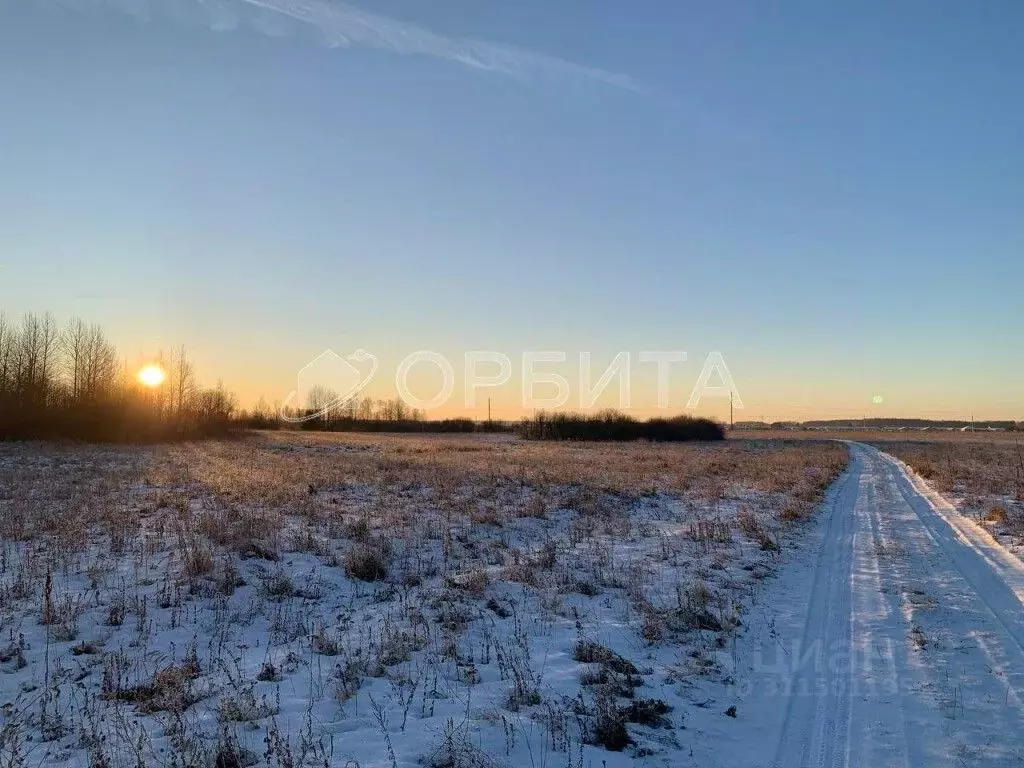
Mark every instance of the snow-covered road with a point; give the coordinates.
(898, 641)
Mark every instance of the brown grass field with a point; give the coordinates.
(874, 435)
(976, 467)
(981, 473)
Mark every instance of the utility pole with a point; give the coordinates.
(488, 410)
(730, 410)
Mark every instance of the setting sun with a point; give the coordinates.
(152, 375)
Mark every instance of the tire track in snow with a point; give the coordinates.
(878, 657)
(815, 728)
(969, 553)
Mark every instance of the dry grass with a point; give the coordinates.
(982, 472)
(192, 584)
(278, 467)
(974, 468)
(878, 435)
(984, 478)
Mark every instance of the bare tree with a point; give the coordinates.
(181, 382)
(321, 400)
(99, 372)
(214, 407)
(6, 358)
(73, 341)
(365, 409)
(35, 360)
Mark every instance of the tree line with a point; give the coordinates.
(324, 411)
(68, 381)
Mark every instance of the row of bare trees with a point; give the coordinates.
(324, 401)
(68, 381)
(324, 410)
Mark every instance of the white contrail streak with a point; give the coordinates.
(342, 24)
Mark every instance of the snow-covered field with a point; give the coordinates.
(303, 600)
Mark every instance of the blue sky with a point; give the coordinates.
(831, 196)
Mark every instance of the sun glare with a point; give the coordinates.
(152, 375)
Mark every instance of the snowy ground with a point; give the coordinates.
(981, 474)
(293, 600)
(895, 638)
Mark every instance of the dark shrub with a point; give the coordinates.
(609, 723)
(368, 561)
(589, 652)
(612, 425)
(650, 712)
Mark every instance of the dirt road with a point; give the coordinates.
(897, 639)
